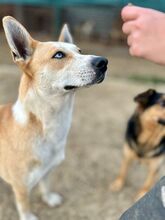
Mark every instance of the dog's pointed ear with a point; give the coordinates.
(145, 97)
(19, 40)
(65, 35)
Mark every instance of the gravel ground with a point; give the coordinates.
(94, 148)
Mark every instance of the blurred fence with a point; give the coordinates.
(99, 18)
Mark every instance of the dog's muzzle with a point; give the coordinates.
(99, 64)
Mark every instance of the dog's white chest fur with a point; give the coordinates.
(50, 149)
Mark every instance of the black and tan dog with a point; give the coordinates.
(145, 138)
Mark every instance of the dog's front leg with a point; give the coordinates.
(52, 199)
(119, 182)
(153, 166)
(23, 206)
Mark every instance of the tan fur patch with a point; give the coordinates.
(20, 148)
(152, 132)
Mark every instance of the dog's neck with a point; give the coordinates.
(45, 109)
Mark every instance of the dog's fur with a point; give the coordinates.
(145, 138)
(33, 131)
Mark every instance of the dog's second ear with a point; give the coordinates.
(19, 40)
(65, 35)
(145, 97)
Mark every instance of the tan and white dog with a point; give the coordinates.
(33, 131)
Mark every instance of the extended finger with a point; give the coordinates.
(130, 13)
(128, 27)
(129, 40)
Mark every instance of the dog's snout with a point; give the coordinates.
(99, 62)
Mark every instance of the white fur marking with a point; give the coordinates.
(50, 149)
(19, 113)
(29, 216)
(25, 216)
(163, 195)
(52, 199)
(49, 160)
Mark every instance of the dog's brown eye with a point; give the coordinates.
(79, 51)
(59, 55)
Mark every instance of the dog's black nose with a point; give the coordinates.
(99, 62)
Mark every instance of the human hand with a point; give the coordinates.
(146, 32)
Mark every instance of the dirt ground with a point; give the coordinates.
(94, 148)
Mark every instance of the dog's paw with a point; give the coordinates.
(33, 217)
(52, 199)
(29, 216)
(117, 185)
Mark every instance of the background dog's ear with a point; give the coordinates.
(145, 97)
(19, 40)
(65, 35)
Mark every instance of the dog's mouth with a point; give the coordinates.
(70, 87)
(100, 76)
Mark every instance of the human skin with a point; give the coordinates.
(145, 29)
